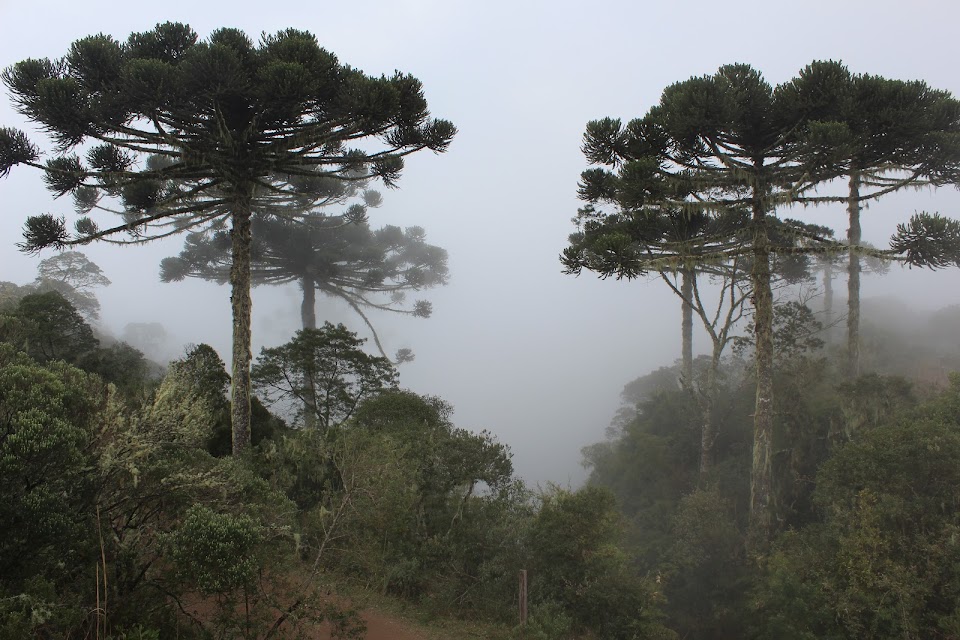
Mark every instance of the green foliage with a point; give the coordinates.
(578, 563)
(883, 563)
(10, 295)
(192, 402)
(720, 154)
(403, 501)
(49, 422)
(121, 365)
(325, 371)
(928, 240)
(704, 572)
(870, 400)
(103, 500)
(546, 621)
(461, 510)
(650, 460)
(214, 552)
(47, 327)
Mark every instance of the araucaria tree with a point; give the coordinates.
(628, 243)
(368, 269)
(714, 144)
(228, 126)
(731, 142)
(887, 135)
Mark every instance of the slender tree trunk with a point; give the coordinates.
(308, 316)
(708, 433)
(308, 308)
(828, 295)
(242, 306)
(853, 278)
(761, 477)
(686, 288)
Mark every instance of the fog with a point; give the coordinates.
(533, 355)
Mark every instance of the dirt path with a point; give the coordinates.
(383, 627)
(380, 625)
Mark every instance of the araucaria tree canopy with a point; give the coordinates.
(171, 132)
(368, 269)
(729, 145)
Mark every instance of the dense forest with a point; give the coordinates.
(797, 480)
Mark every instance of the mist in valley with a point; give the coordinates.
(572, 373)
(516, 346)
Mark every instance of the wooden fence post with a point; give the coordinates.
(523, 597)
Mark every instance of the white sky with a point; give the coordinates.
(535, 356)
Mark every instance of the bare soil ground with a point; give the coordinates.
(381, 626)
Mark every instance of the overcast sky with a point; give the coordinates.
(517, 347)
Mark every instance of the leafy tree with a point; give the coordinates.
(325, 370)
(230, 126)
(192, 399)
(577, 562)
(10, 295)
(368, 269)
(49, 414)
(47, 327)
(651, 461)
(75, 277)
(453, 460)
(400, 497)
(122, 365)
(704, 572)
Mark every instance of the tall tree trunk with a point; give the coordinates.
(242, 306)
(853, 278)
(308, 316)
(686, 288)
(761, 476)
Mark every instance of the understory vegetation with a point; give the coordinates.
(126, 517)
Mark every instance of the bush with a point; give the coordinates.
(577, 563)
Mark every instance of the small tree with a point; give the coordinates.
(577, 561)
(230, 127)
(47, 327)
(325, 370)
(74, 276)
